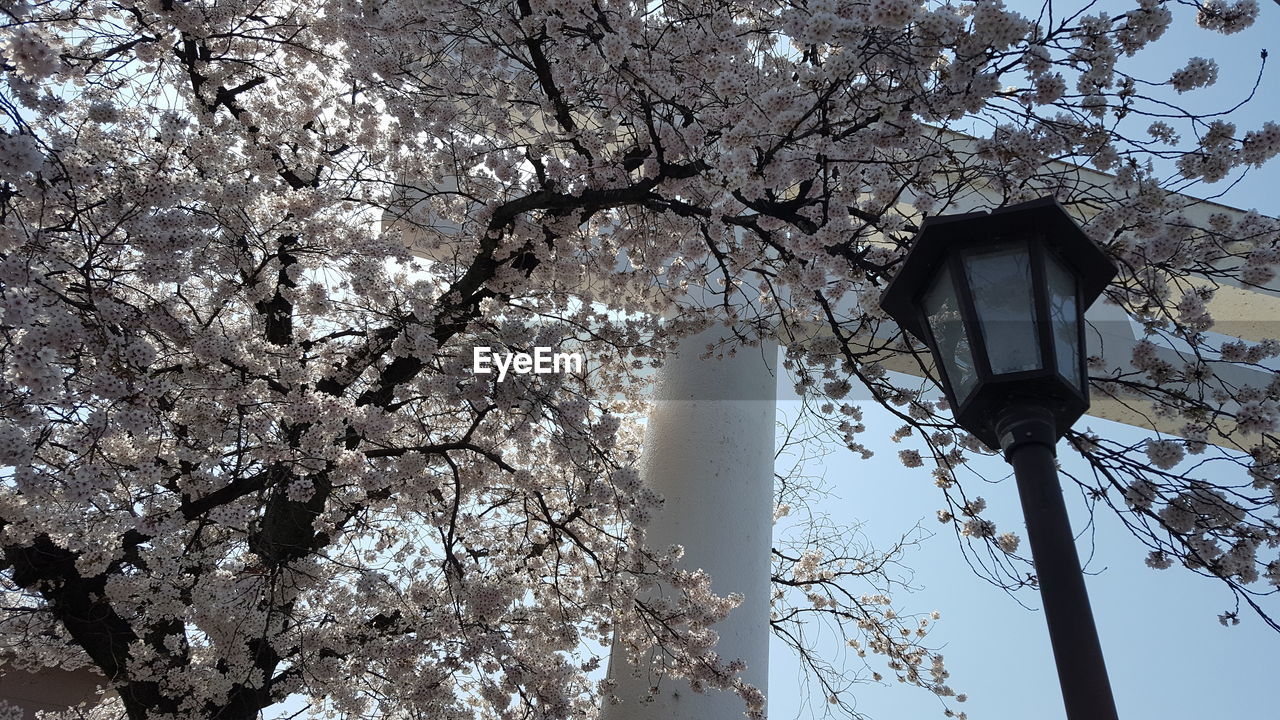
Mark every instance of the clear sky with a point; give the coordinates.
(1167, 654)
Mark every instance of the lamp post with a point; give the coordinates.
(1000, 298)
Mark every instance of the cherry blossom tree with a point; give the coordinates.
(244, 451)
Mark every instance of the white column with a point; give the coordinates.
(708, 448)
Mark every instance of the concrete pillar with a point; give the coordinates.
(708, 449)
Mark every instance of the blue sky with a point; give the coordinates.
(1167, 654)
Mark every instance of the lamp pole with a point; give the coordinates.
(1000, 298)
(1028, 438)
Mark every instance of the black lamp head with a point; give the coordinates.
(999, 298)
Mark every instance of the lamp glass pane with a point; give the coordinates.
(1000, 280)
(1064, 318)
(943, 311)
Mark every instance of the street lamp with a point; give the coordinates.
(1000, 298)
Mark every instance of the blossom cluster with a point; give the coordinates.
(1198, 72)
